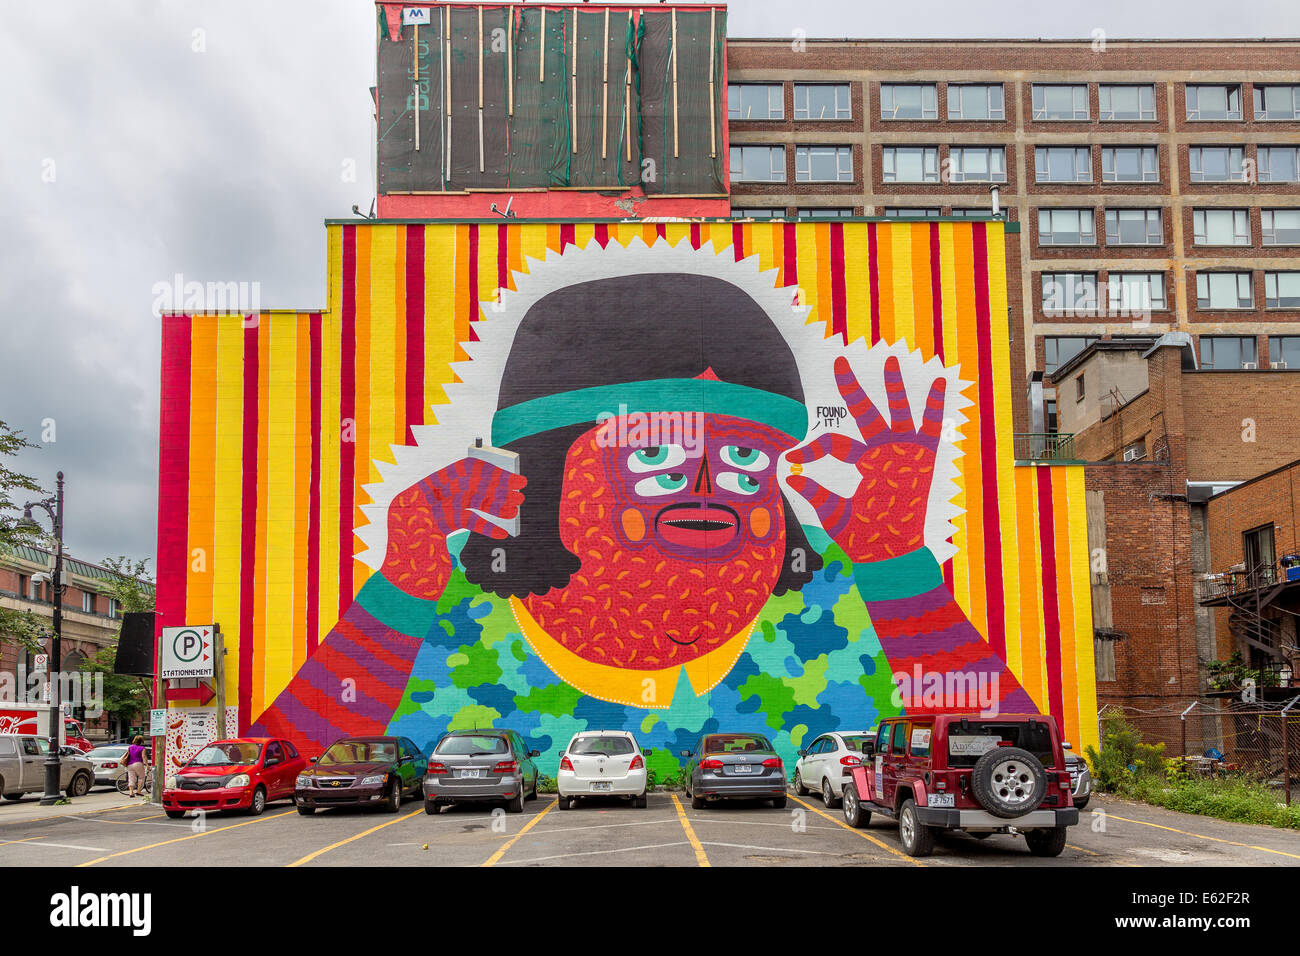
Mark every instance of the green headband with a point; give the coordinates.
(588, 405)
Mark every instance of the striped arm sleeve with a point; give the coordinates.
(939, 661)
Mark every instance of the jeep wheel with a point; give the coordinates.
(1008, 782)
(799, 789)
(1046, 842)
(917, 838)
(854, 814)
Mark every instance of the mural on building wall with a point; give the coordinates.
(668, 479)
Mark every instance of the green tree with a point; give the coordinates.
(22, 628)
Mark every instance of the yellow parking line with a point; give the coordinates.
(71, 812)
(192, 836)
(152, 816)
(700, 856)
(1082, 849)
(334, 846)
(24, 840)
(1201, 836)
(495, 857)
(866, 836)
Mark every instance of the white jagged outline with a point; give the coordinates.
(472, 401)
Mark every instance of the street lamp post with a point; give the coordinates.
(54, 508)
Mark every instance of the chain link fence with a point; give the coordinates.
(1258, 740)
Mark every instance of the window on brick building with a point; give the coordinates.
(1080, 388)
(1049, 407)
(757, 213)
(1066, 227)
(1257, 551)
(1119, 102)
(1221, 227)
(1063, 164)
(87, 602)
(1213, 102)
(1060, 101)
(1278, 164)
(976, 101)
(25, 586)
(977, 164)
(1277, 102)
(823, 164)
(1280, 227)
(912, 212)
(1135, 293)
(758, 164)
(1129, 164)
(1135, 227)
(1059, 349)
(1284, 351)
(1220, 352)
(959, 213)
(1282, 290)
(1070, 293)
(755, 101)
(1216, 164)
(909, 101)
(1103, 652)
(910, 164)
(1224, 290)
(822, 101)
(826, 212)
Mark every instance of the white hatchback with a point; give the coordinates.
(602, 763)
(826, 764)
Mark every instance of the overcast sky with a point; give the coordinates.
(209, 138)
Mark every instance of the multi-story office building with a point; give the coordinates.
(1157, 183)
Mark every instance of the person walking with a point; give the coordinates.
(137, 761)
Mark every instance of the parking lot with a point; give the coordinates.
(666, 833)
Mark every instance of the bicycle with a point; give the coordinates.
(124, 785)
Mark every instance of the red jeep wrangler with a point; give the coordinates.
(965, 772)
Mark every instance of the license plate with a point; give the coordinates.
(469, 773)
(600, 785)
(941, 800)
(744, 768)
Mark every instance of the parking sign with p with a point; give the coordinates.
(186, 652)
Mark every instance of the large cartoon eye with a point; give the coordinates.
(664, 484)
(750, 459)
(660, 456)
(740, 484)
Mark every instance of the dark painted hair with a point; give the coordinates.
(611, 331)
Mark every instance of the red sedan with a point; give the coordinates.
(246, 773)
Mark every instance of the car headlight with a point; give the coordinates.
(170, 783)
(238, 780)
(303, 782)
(374, 781)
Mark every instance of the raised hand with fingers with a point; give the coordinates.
(422, 516)
(885, 516)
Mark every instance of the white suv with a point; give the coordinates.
(602, 763)
(826, 764)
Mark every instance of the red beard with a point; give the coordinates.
(631, 604)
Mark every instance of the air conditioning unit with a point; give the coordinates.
(1277, 364)
(1250, 365)
(1134, 453)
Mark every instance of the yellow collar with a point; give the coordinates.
(651, 689)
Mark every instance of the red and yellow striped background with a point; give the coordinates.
(270, 424)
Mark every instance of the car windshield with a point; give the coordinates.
(359, 751)
(971, 739)
(470, 745)
(601, 745)
(735, 743)
(856, 742)
(230, 754)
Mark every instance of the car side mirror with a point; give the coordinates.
(314, 759)
(684, 753)
(803, 753)
(534, 753)
(271, 763)
(1066, 746)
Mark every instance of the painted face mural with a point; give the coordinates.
(668, 494)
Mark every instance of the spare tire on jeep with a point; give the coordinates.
(1008, 782)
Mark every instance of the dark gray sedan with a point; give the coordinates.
(481, 766)
(734, 765)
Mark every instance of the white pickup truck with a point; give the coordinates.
(22, 767)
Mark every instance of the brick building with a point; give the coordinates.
(91, 617)
(1157, 181)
